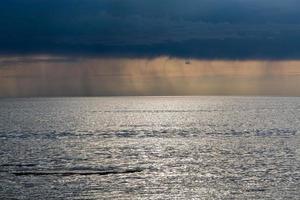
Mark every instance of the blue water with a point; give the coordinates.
(150, 148)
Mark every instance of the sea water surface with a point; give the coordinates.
(150, 148)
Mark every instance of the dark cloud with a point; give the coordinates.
(228, 29)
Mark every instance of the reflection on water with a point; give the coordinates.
(150, 148)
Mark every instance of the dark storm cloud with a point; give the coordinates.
(233, 29)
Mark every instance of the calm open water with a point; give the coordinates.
(150, 148)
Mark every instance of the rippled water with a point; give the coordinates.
(150, 148)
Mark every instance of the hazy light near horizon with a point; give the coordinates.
(67, 76)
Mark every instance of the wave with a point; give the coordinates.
(139, 132)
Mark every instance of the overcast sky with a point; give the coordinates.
(149, 47)
(221, 29)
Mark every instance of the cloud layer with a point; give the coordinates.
(228, 29)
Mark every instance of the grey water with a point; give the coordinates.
(150, 148)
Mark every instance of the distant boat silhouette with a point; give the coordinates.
(187, 62)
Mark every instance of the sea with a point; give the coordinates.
(201, 147)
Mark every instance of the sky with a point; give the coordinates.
(149, 47)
